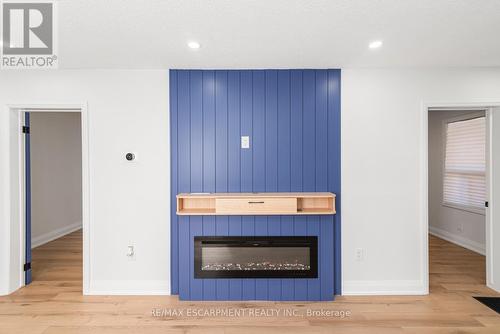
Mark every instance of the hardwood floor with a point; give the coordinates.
(53, 303)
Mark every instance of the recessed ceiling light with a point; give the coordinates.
(194, 45)
(375, 44)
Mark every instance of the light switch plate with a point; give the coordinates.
(245, 141)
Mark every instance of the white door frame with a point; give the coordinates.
(424, 228)
(18, 182)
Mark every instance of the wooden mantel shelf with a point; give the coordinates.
(226, 204)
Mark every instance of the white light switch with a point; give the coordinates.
(245, 141)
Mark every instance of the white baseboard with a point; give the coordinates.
(389, 287)
(56, 234)
(458, 240)
(129, 287)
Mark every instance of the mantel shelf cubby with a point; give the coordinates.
(240, 204)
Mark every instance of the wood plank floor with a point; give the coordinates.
(53, 303)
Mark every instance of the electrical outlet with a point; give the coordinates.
(460, 228)
(359, 254)
(131, 252)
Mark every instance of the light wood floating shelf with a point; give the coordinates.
(240, 204)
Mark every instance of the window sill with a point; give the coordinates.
(478, 211)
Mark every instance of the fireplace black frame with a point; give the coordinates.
(256, 241)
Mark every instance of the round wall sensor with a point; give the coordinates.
(130, 156)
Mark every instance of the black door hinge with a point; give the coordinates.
(26, 129)
(27, 266)
(486, 204)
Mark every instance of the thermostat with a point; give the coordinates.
(130, 156)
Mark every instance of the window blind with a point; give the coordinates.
(465, 163)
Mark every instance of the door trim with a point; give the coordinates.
(424, 175)
(27, 200)
(17, 153)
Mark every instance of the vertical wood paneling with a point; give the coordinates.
(326, 260)
(334, 164)
(234, 162)
(297, 160)
(296, 130)
(321, 131)
(271, 131)
(221, 163)
(184, 178)
(283, 131)
(309, 130)
(283, 136)
(259, 132)
(321, 145)
(259, 144)
(293, 120)
(259, 162)
(196, 130)
(209, 175)
(309, 154)
(271, 164)
(234, 131)
(246, 115)
(196, 222)
(174, 177)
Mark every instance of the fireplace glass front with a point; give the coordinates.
(256, 257)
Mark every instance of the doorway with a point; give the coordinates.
(457, 196)
(466, 235)
(17, 259)
(53, 195)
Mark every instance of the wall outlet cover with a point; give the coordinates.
(131, 253)
(359, 254)
(245, 141)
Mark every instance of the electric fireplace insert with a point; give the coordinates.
(256, 257)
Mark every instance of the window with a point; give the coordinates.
(465, 163)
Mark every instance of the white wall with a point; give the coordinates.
(129, 202)
(56, 175)
(464, 228)
(383, 164)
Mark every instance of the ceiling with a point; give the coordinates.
(278, 33)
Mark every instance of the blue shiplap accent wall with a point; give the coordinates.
(293, 120)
